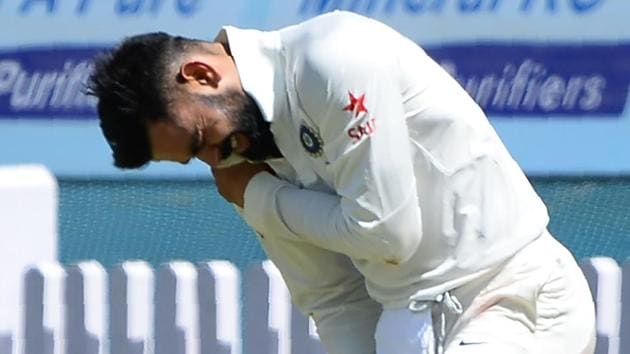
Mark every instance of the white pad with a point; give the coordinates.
(177, 309)
(132, 308)
(268, 316)
(86, 309)
(279, 307)
(44, 309)
(220, 308)
(624, 328)
(604, 277)
(28, 235)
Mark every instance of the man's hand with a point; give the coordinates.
(232, 181)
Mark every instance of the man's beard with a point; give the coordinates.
(243, 111)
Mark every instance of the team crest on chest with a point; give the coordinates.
(311, 141)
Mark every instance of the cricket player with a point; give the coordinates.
(395, 214)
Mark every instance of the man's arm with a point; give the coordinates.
(326, 286)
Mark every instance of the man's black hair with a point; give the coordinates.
(131, 86)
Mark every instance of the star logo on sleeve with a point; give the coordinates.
(356, 104)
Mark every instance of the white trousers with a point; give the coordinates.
(538, 303)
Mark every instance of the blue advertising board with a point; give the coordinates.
(553, 75)
(46, 83)
(535, 80)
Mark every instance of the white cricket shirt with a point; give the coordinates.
(387, 160)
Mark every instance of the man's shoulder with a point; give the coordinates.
(332, 29)
(337, 44)
(331, 20)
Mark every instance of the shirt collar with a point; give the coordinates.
(259, 64)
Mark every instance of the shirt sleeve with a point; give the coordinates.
(353, 102)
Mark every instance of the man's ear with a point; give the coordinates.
(200, 72)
